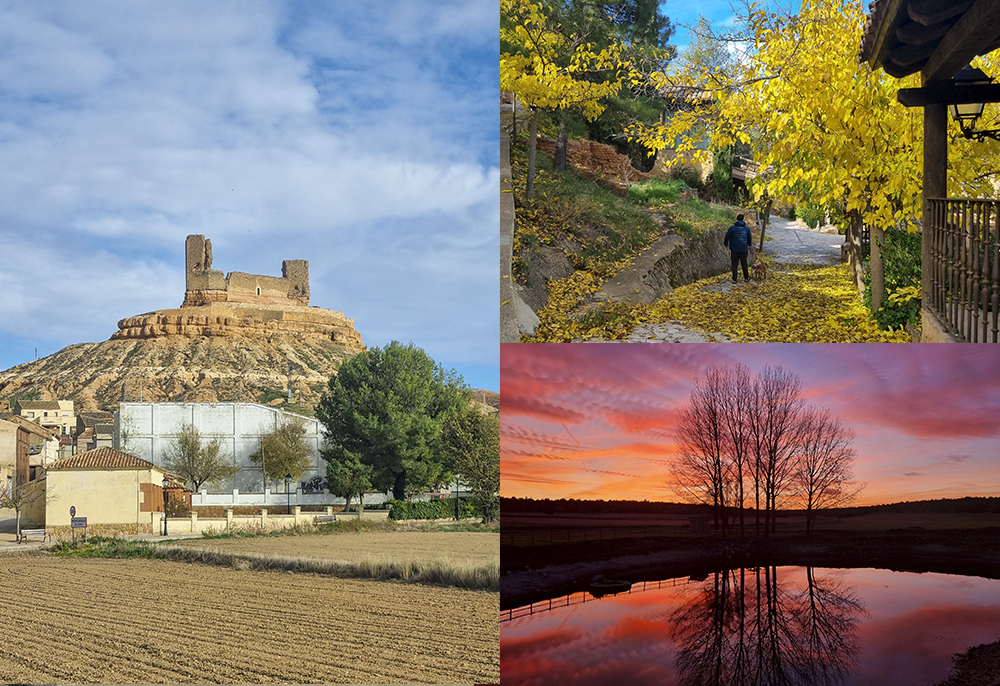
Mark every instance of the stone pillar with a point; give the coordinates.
(194, 522)
(297, 514)
(229, 520)
(263, 519)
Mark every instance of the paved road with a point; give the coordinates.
(792, 243)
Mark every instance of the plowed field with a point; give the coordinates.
(158, 621)
(462, 548)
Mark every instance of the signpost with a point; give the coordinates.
(77, 523)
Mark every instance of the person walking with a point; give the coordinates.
(738, 240)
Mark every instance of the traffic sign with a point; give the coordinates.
(78, 522)
(72, 511)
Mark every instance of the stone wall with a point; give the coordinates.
(206, 285)
(596, 160)
(698, 258)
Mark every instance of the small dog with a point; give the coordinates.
(759, 271)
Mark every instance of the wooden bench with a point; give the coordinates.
(33, 533)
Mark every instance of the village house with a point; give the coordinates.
(117, 492)
(55, 415)
(93, 430)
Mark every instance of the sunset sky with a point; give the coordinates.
(596, 421)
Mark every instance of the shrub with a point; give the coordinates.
(656, 191)
(901, 257)
(178, 508)
(434, 509)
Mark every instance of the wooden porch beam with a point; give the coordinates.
(948, 93)
(976, 30)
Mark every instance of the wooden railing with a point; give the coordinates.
(580, 597)
(963, 276)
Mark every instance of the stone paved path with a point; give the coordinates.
(792, 243)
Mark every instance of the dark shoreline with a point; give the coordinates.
(533, 573)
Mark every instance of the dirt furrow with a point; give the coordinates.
(170, 622)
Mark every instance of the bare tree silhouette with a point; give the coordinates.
(741, 433)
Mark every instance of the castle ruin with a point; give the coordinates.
(240, 304)
(206, 285)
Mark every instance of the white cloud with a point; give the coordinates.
(361, 138)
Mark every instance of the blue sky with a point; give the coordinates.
(360, 136)
(722, 13)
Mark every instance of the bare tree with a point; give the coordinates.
(701, 472)
(778, 400)
(196, 459)
(740, 433)
(20, 498)
(823, 474)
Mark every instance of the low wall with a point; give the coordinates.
(262, 521)
(271, 498)
(698, 258)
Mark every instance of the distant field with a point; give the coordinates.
(458, 547)
(901, 520)
(541, 529)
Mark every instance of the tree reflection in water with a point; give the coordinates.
(747, 629)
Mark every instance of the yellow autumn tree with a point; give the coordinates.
(823, 128)
(547, 69)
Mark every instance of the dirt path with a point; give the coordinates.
(155, 621)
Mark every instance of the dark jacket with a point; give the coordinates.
(738, 238)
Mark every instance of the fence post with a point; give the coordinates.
(194, 522)
(263, 518)
(297, 512)
(229, 519)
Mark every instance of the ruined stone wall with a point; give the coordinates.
(206, 285)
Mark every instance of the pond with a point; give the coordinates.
(764, 625)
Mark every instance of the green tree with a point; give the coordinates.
(384, 408)
(348, 477)
(472, 444)
(196, 459)
(284, 451)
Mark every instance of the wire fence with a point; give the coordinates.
(581, 597)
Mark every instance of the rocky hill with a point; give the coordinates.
(236, 337)
(174, 368)
(204, 368)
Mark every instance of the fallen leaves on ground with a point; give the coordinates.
(795, 304)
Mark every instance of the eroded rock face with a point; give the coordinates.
(174, 368)
(224, 319)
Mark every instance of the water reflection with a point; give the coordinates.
(785, 625)
(746, 626)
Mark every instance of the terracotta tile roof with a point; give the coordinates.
(38, 404)
(91, 418)
(33, 427)
(102, 458)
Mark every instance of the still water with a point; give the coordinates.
(767, 625)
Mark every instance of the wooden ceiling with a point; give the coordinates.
(933, 37)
